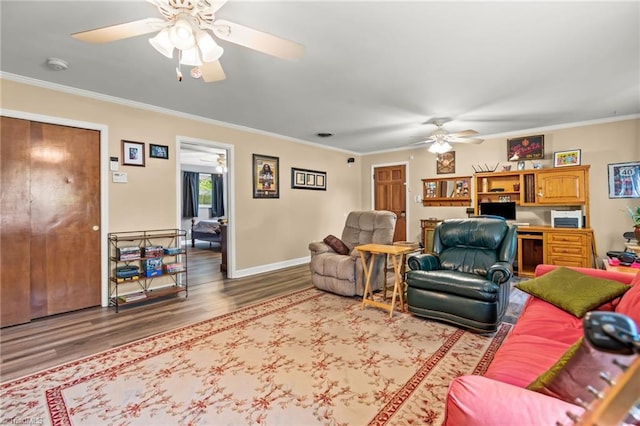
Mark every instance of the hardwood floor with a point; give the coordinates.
(47, 342)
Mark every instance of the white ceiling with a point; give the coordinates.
(373, 71)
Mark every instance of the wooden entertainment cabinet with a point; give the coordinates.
(563, 187)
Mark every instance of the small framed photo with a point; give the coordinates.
(132, 153)
(266, 183)
(520, 165)
(567, 158)
(308, 179)
(624, 180)
(158, 151)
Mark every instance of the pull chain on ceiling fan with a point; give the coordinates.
(187, 27)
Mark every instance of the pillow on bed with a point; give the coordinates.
(336, 244)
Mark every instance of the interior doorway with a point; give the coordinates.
(212, 157)
(390, 193)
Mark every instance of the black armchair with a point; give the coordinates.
(465, 281)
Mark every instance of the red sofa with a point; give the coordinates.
(541, 335)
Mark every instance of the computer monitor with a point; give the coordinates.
(505, 209)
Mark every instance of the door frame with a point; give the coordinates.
(229, 194)
(406, 188)
(103, 176)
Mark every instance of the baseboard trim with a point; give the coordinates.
(239, 273)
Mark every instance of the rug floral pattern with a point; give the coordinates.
(306, 358)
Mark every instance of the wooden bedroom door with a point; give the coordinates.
(58, 182)
(390, 194)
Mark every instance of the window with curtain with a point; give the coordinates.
(205, 193)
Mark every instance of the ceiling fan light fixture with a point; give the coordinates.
(162, 43)
(190, 57)
(440, 147)
(209, 49)
(181, 35)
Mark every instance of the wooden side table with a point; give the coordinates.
(618, 268)
(396, 254)
(416, 249)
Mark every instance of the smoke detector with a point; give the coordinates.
(57, 64)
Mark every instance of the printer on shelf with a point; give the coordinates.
(566, 218)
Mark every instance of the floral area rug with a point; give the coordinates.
(303, 359)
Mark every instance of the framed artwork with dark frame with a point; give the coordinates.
(527, 148)
(308, 179)
(567, 158)
(446, 163)
(158, 151)
(624, 180)
(132, 153)
(266, 183)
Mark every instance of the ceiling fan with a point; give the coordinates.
(440, 138)
(187, 27)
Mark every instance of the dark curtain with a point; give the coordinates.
(217, 196)
(190, 189)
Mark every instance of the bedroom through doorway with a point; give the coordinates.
(203, 207)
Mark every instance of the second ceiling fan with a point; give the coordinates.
(187, 27)
(440, 138)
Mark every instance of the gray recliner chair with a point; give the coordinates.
(465, 281)
(343, 273)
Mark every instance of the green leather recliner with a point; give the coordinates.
(465, 281)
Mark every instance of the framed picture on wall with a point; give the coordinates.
(158, 151)
(266, 183)
(446, 163)
(566, 158)
(624, 180)
(132, 153)
(527, 148)
(308, 179)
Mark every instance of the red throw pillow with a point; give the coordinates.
(336, 244)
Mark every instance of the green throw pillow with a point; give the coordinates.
(572, 291)
(547, 377)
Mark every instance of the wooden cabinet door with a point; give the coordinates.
(561, 186)
(389, 194)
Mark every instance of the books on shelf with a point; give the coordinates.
(131, 297)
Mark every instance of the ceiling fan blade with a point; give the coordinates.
(212, 71)
(121, 31)
(464, 133)
(464, 140)
(257, 40)
(423, 142)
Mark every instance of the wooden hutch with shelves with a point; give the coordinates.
(564, 187)
(453, 191)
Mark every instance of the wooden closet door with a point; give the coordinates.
(15, 223)
(65, 219)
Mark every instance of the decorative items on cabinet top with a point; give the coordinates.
(452, 191)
